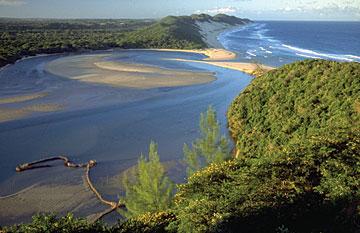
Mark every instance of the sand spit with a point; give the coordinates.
(211, 53)
(249, 68)
(93, 69)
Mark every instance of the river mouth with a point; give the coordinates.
(112, 124)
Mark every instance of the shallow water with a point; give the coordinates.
(116, 125)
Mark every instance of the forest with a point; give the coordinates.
(295, 165)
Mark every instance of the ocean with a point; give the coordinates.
(277, 43)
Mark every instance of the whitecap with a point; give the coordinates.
(352, 56)
(251, 54)
(317, 54)
(307, 56)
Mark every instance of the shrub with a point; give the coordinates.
(52, 224)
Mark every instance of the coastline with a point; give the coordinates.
(217, 55)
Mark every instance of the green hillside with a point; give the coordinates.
(170, 32)
(295, 105)
(180, 32)
(297, 133)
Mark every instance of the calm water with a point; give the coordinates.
(276, 43)
(114, 133)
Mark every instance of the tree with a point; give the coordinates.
(148, 189)
(210, 147)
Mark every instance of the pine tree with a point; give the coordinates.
(210, 147)
(148, 189)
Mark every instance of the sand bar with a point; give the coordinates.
(7, 114)
(93, 69)
(21, 98)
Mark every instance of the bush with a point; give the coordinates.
(146, 223)
(148, 189)
(52, 224)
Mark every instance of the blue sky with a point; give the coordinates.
(348, 10)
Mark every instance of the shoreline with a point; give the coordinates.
(214, 53)
(219, 56)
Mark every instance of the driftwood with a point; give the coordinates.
(68, 163)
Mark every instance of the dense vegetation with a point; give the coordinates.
(297, 134)
(26, 37)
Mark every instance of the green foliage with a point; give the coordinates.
(295, 103)
(170, 32)
(297, 130)
(148, 189)
(53, 224)
(27, 37)
(146, 223)
(210, 147)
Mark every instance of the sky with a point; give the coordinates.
(334, 10)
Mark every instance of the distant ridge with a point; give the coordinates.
(177, 32)
(220, 18)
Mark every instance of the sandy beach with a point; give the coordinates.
(216, 54)
(211, 53)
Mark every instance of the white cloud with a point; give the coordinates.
(219, 10)
(325, 10)
(11, 2)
